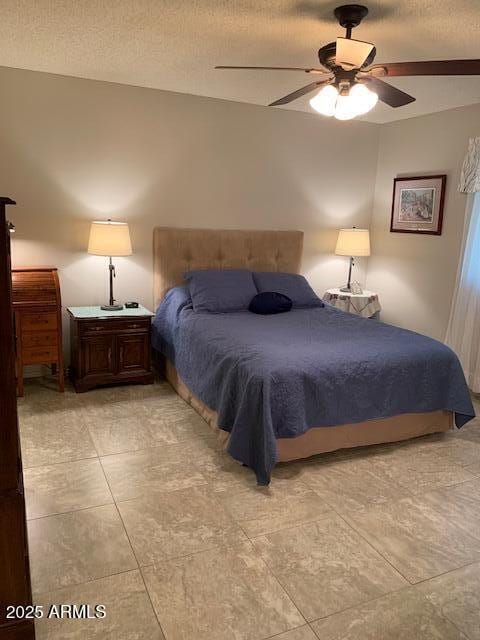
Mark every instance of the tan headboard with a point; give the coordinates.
(175, 251)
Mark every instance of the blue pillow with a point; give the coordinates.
(220, 290)
(292, 285)
(270, 302)
(178, 297)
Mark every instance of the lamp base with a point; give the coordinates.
(111, 307)
(346, 289)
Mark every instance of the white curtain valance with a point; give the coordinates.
(470, 176)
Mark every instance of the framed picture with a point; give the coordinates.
(417, 205)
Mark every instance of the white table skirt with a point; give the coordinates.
(364, 304)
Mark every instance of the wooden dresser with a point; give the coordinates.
(14, 567)
(38, 320)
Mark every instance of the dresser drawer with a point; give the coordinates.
(95, 327)
(39, 355)
(39, 339)
(38, 321)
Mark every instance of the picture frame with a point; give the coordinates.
(417, 204)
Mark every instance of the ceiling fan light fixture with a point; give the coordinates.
(346, 104)
(364, 99)
(325, 101)
(346, 108)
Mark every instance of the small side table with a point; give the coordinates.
(110, 347)
(364, 304)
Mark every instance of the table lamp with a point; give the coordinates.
(354, 243)
(110, 239)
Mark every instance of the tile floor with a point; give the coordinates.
(131, 504)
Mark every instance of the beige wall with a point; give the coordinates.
(415, 275)
(74, 150)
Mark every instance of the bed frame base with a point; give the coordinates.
(324, 439)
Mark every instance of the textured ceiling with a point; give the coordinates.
(173, 45)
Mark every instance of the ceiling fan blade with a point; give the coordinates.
(299, 93)
(305, 69)
(351, 54)
(386, 93)
(428, 68)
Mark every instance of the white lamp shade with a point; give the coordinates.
(353, 242)
(109, 239)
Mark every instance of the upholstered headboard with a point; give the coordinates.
(178, 250)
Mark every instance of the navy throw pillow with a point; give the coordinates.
(270, 302)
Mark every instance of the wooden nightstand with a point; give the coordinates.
(110, 347)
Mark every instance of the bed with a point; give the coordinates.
(291, 386)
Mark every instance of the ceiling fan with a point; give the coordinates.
(350, 85)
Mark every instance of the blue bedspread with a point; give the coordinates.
(277, 376)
